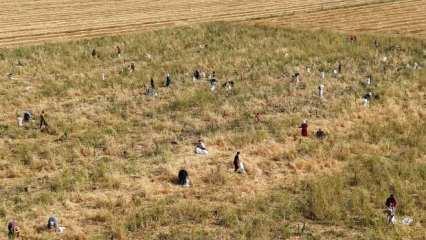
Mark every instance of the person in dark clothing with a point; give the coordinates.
(368, 96)
(296, 77)
(237, 161)
(27, 116)
(118, 50)
(339, 68)
(43, 124)
(152, 83)
(391, 201)
(183, 178)
(94, 53)
(238, 164)
(196, 75)
(320, 134)
(304, 128)
(228, 85)
(52, 223)
(13, 229)
(391, 209)
(376, 43)
(168, 81)
(213, 84)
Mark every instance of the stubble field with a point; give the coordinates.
(29, 22)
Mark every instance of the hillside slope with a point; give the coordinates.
(108, 164)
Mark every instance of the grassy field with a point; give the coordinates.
(108, 164)
(29, 22)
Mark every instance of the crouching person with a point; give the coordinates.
(52, 224)
(183, 178)
(320, 134)
(13, 230)
(238, 164)
(25, 118)
(200, 148)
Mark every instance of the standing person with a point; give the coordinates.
(94, 53)
(118, 50)
(152, 83)
(391, 208)
(132, 67)
(304, 127)
(168, 80)
(43, 124)
(321, 90)
(213, 84)
(196, 75)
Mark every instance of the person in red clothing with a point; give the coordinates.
(13, 229)
(304, 128)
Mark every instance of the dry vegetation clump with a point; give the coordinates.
(107, 167)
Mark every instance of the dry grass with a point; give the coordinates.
(108, 166)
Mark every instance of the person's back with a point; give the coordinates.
(391, 201)
(237, 161)
(196, 75)
(27, 116)
(238, 164)
(183, 178)
(94, 53)
(320, 134)
(152, 84)
(200, 148)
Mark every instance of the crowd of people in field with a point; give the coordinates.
(200, 148)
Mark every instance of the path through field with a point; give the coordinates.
(29, 21)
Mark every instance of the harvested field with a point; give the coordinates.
(28, 21)
(405, 18)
